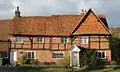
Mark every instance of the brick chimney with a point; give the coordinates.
(17, 13)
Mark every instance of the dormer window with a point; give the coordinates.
(64, 40)
(18, 39)
(83, 39)
(40, 39)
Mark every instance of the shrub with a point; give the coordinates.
(64, 62)
(21, 60)
(56, 70)
(88, 58)
(113, 62)
(33, 61)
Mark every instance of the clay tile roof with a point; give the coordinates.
(46, 25)
(31, 25)
(5, 29)
(58, 25)
(103, 18)
(100, 15)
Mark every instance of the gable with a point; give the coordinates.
(90, 24)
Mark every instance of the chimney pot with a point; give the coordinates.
(85, 11)
(82, 10)
(17, 12)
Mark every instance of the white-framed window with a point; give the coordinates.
(57, 55)
(30, 55)
(18, 39)
(40, 40)
(84, 40)
(64, 40)
(101, 54)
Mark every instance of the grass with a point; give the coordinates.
(45, 70)
(52, 68)
(106, 70)
(59, 70)
(65, 70)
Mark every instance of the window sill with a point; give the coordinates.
(101, 58)
(83, 43)
(30, 58)
(57, 58)
(39, 42)
(63, 43)
(18, 42)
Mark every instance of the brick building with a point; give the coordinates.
(49, 38)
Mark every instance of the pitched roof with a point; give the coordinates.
(46, 25)
(99, 17)
(55, 25)
(5, 29)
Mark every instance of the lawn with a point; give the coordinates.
(29, 68)
(106, 70)
(65, 70)
(55, 70)
(41, 70)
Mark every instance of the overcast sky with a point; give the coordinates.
(110, 8)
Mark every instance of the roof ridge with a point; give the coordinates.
(33, 16)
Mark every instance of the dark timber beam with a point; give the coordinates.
(99, 42)
(50, 43)
(91, 34)
(9, 46)
(89, 42)
(71, 41)
(58, 46)
(31, 41)
(65, 46)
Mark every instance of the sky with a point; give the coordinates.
(110, 8)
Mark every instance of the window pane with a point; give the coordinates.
(61, 55)
(40, 39)
(54, 55)
(25, 54)
(63, 40)
(33, 55)
(29, 55)
(57, 55)
(103, 54)
(18, 39)
(99, 54)
(83, 39)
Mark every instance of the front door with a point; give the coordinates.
(75, 58)
(13, 57)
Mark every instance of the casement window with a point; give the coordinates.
(101, 54)
(84, 40)
(40, 40)
(57, 55)
(64, 40)
(30, 55)
(18, 39)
